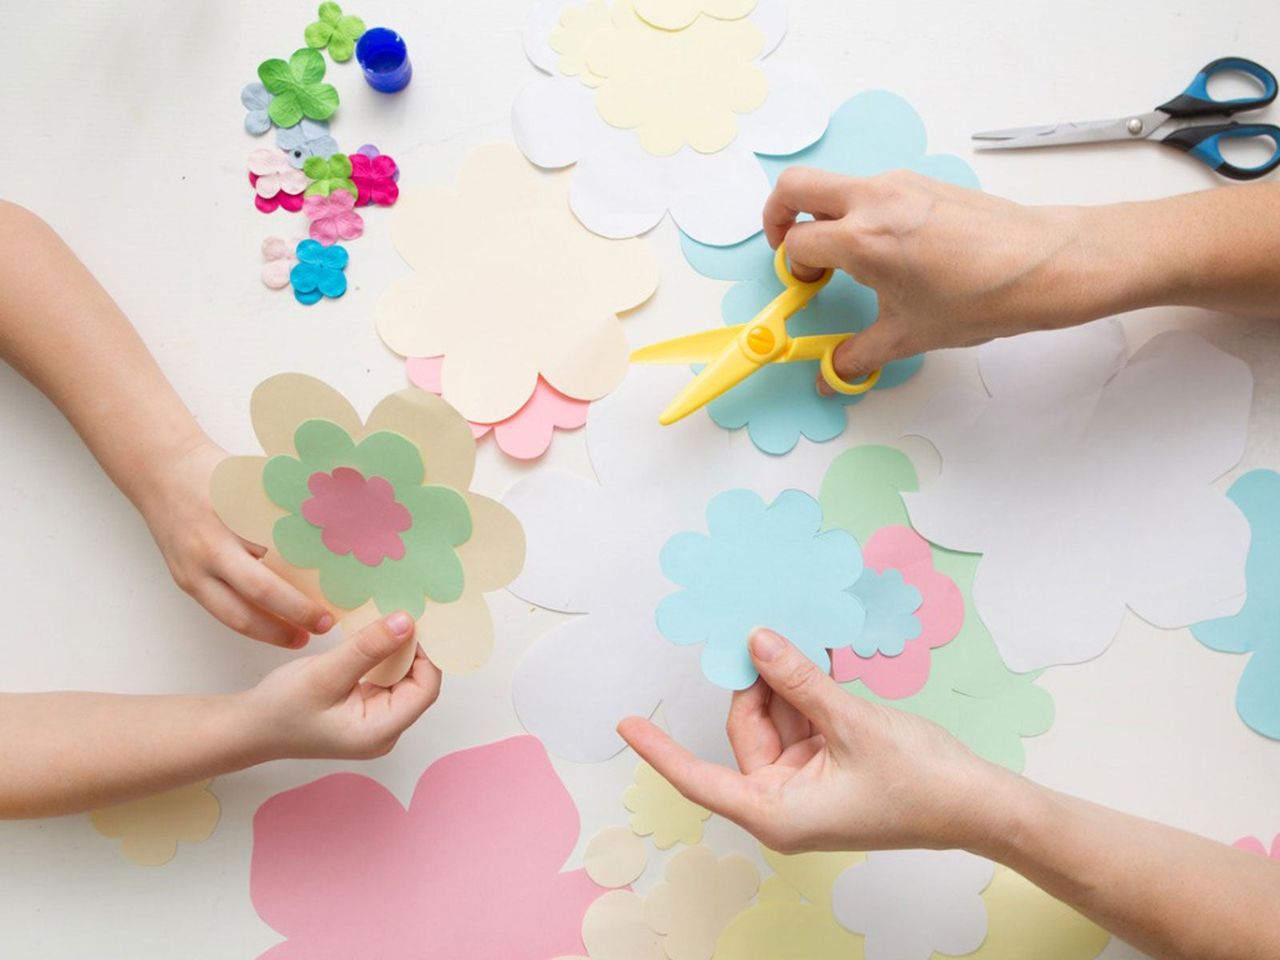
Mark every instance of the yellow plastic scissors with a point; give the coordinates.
(732, 354)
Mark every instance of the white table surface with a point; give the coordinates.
(122, 127)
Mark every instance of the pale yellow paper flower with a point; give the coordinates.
(659, 809)
(151, 828)
(698, 897)
(678, 14)
(578, 26)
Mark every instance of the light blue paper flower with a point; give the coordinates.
(760, 566)
(1256, 628)
(306, 138)
(318, 272)
(870, 133)
(256, 98)
(891, 604)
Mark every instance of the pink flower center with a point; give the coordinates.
(357, 515)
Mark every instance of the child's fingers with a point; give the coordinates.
(339, 670)
(232, 610)
(265, 589)
(414, 695)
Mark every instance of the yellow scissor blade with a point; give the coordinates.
(696, 348)
(725, 372)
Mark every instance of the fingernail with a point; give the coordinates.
(325, 623)
(301, 640)
(765, 644)
(399, 623)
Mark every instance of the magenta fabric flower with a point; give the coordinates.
(275, 182)
(332, 217)
(1254, 845)
(471, 869)
(375, 179)
(941, 614)
(357, 515)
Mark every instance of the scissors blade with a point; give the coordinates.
(701, 347)
(721, 375)
(1133, 127)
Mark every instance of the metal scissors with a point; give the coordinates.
(732, 354)
(1167, 124)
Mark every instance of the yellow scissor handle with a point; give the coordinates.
(789, 279)
(823, 349)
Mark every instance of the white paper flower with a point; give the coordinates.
(910, 904)
(648, 80)
(1084, 481)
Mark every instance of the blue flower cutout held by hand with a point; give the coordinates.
(891, 604)
(318, 272)
(761, 566)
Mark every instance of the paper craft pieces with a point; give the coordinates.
(1065, 479)
(1256, 628)
(762, 565)
(275, 183)
(868, 134)
(471, 869)
(307, 139)
(891, 604)
(297, 88)
(318, 272)
(678, 14)
(375, 516)
(256, 99)
(375, 178)
(661, 811)
(615, 929)
(280, 259)
(151, 828)
(555, 312)
(328, 174)
(675, 118)
(333, 217)
(335, 32)
(370, 151)
(527, 433)
(615, 857)
(1255, 846)
(699, 895)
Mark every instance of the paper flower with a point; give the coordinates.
(698, 896)
(615, 857)
(291, 202)
(333, 217)
(1077, 449)
(1256, 846)
(328, 174)
(471, 869)
(335, 31)
(711, 86)
(275, 183)
(678, 14)
(318, 273)
(370, 151)
(659, 810)
(542, 301)
(375, 516)
(902, 561)
(375, 179)
(151, 828)
(1256, 628)
(256, 99)
(870, 133)
(614, 928)
(526, 434)
(297, 88)
(761, 565)
(306, 139)
(280, 259)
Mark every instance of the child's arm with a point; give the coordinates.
(69, 752)
(62, 332)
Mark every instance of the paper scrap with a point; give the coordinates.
(151, 828)
(678, 14)
(659, 810)
(615, 857)
(699, 895)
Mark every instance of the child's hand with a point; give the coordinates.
(219, 569)
(318, 707)
(825, 770)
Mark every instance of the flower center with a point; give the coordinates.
(357, 515)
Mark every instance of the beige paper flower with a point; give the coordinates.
(614, 928)
(678, 14)
(507, 286)
(422, 541)
(151, 828)
(614, 857)
(698, 897)
(660, 809)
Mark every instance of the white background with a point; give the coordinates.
(122, 127)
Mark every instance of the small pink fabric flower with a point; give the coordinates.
(332, 217)
(357, 515)
(279, 257)
(374, 178)
(1254, 845)
(941, 614)
(275, 182)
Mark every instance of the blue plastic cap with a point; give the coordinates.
(384, 59)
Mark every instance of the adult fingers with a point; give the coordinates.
(752, 735)
(717, 788)
(267, 590)
(242, 617)
(796, 679)
(865, 352)
(792, 725)
(814, 246)
(340, 669)
(804, 190)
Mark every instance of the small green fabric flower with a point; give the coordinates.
(297, 89)
(337, 32)
(441, 520)
(329, 174)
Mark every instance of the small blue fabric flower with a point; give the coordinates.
(256, 98)
(306, 138)
(318, 272)
(870, 133)
(761, 566)
(891, 604)
(1256, 628)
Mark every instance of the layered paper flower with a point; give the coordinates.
(761, 565)
(280, 260)
(333, 217)
(334, 31)
(471, 869)
(555, 312)
(678, 14)
(328, 174)
(318, 272)
(372, 517)
(1066, 477)
(275, 183)
(870, 133)
(297, 88)
(306, 139)
(698, 896)
(151, 828)
(256, 99)
(661, 811)
(660, 120)
(375, 178)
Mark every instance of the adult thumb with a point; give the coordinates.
(797, 679)
(863, 353)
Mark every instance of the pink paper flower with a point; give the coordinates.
(357, 515)
(1254, 845)
(941, 614)
(471, 869)
(280, 259)
(275, 182)
(527, 433)
(374, 178)
(332, 217)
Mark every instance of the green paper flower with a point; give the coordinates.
(329, 174)
(296, 88)
(337, 32)
(379, 481)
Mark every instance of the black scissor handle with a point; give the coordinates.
(1195, 101)
(1204, 143)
